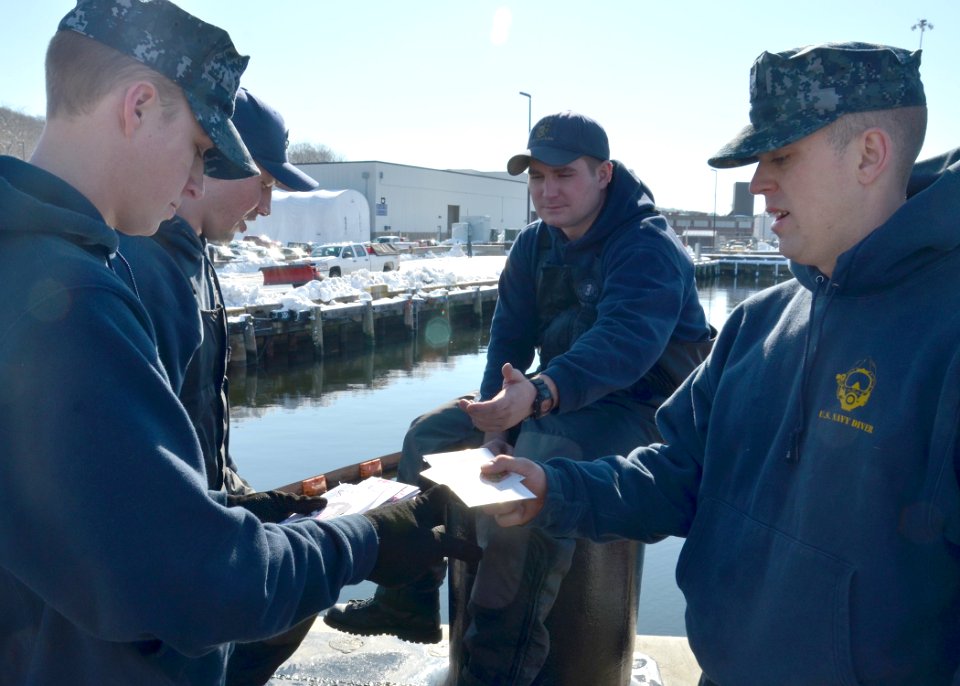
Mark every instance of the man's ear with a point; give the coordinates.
(876, 155)
(138, 100)
(605, 173)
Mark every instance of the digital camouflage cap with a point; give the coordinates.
(797, 92)
(198, 57)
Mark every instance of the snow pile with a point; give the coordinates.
(240, 292)
(243, 286)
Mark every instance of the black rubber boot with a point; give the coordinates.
(411, 613)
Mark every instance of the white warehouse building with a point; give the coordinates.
(422, 203)
(320, 216)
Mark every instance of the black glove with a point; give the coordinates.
(412, 538)
(275, 506)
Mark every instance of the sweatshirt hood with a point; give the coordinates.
(627, 198)
(37, 201)
(920, 232)
(181, 241)
(927, 172)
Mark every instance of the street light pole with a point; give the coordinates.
(924, 26)
(529, 128)
(714, 209)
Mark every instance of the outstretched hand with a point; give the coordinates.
(517, 512)
(275, 506)
(412, 538)
(507, 408)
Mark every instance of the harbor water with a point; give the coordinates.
(293, 421)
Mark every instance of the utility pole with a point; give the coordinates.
(714, 209)
(923, 25)
(529, 128)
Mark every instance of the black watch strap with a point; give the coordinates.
(543, 395)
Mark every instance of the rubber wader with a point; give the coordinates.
(593, 621)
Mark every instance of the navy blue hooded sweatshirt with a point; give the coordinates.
(647, 298)
(812, 464)
(117, 565)
(155, 275)
(178, 287)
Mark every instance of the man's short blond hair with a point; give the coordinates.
(81, 72)
(907, 127)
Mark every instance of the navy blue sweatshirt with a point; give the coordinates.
(116, 564)
(178, 287)
(156, 274)
(648, 297)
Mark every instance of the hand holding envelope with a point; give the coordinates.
(460, 471)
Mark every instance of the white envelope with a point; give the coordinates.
(460, 471)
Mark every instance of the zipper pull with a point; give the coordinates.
(793, 452)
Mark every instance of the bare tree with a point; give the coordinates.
(306, 153)
(19, 133)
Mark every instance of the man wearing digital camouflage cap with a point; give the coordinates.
(117, 564)
(812, 462)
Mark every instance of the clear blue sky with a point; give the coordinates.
(436, 84)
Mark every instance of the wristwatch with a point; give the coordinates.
(543, 395)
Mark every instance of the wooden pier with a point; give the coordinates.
(743, 264)
(260, 333)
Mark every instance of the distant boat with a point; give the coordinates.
(735, 246)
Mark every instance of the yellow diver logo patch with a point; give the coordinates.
(855, 386)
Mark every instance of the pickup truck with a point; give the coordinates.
(340, 259)
(397, 242)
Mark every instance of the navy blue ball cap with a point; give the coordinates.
(265, 134)
(559, 139)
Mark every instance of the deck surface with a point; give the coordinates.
(331, 658)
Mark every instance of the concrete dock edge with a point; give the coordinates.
(330, 657)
